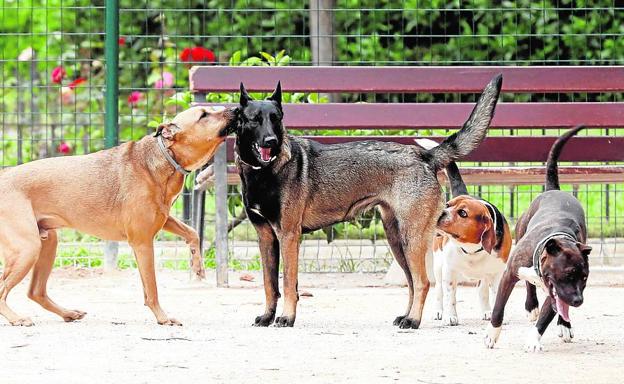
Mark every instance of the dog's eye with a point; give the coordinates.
(204, 114)
(447, 205)
(462, 213)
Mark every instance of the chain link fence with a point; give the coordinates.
(53, 89)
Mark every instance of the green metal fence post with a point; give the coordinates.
(112, 68)
(111, 129)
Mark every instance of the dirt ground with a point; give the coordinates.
(343, 333)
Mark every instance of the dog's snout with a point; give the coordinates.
(269, 141)
(577, 300)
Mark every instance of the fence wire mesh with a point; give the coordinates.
(52, 87)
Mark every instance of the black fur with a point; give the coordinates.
(552, 173)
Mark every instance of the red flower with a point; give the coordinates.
(134, 98)
(76, 82)
(121, 41)
(185, 55)
(58, 74)
(64, 148)
(197, 54)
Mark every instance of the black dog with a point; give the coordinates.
(293, 186)
(550, 252)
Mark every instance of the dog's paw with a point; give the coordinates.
(170, 322)
(566, 334)
(450, 320)
(533, 315)
(22, 322)
(74, 315)
(397, 320)
(533, 343)
(491, 336)
(486, 315)
(285, 321)
(408, 323)
(437, 315)
(264, 320)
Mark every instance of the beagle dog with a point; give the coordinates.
(472, 242)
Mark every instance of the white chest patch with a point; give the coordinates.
(472, 265)
(529, 274)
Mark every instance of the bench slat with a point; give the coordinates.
(506, 149)
(449, 116)
(429, 79)
(519, 175)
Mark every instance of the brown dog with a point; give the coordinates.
(120, 194)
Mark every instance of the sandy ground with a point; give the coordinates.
(342, 334)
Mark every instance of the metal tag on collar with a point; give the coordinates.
(171, 160)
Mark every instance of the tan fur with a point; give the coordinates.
(122, 194)
(477, 226)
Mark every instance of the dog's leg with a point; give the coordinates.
(531, 304)
(289, 248)
(547, 314)
(269, 251)
(484, 298)
(565, 330)
(41, 271)
(144, 253)
(507, 283)
(21, 246)
(417, 240)
(438, 261)
(391, 228)
(189, 235)
(449, 284)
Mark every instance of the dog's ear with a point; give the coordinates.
(585, 249)
(552, 247)
(488, 238)
(277, 95)
(244, 96)
(167, 130)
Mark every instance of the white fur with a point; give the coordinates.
(491, 336)
(566, 334)
(529, 275)
(533, 343)
(533, 315)
(452, 265)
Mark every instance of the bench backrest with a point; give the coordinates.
(418, 116)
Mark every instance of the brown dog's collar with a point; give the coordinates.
(171, 160)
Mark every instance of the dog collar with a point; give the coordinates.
(472, 253)
(171, 160)
(247, 164)
(539, 249)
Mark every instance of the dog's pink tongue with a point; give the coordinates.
(265, 153)
(562, 309)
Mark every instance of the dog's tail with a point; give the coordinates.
(458, 187)
(552, 172)
(472, 133)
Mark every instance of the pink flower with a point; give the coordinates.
(134, 98)
(166, 81)
(64, 148)
(58, 74)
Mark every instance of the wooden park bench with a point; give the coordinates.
(546, 116)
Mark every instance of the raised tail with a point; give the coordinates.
(458, 187)
(473, 132)
(552, 172)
